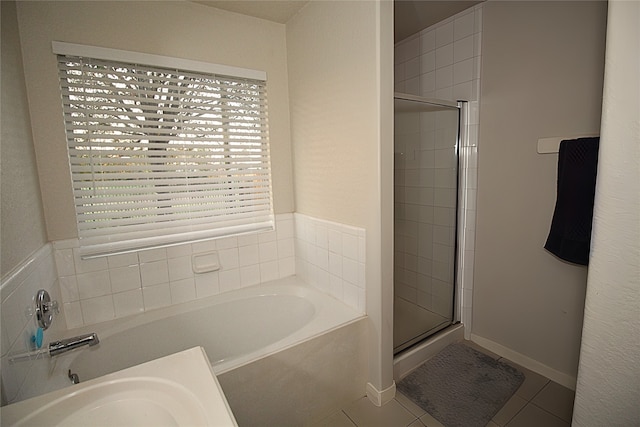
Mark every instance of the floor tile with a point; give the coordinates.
(533, 382)
(492, 424)
(339, 419)
(532, 416)
(365, 414)
(416, 423)
(556, 399)
(509, 410)
(409, 405)
(429, 421)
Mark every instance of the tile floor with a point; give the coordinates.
(538, 402)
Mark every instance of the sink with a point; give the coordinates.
(176, 390)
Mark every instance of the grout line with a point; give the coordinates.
(514, 415)
(415, 417)
(399, 402)
(413, 421)
(553, 415)
(529, 401)
(540, 391)
(349, 418)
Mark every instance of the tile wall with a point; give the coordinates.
(18, 292)
(101, 289)
(444, 61)
(331, 257)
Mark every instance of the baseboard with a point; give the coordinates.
(526, 362)
(378, 397)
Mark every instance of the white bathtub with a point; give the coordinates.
(242, 331)
(234, 328)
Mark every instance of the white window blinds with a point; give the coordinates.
(163, 156)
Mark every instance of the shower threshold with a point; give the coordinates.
(414, 356)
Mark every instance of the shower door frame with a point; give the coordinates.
(461, 137)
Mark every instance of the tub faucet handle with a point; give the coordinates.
(45, 309)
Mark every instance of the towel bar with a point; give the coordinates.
(551, 145)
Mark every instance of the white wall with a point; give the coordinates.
(23, 230)
(27, 261)
(542, 72)
(330, 50)
(180, 29)
(609, 376)
(340, 82)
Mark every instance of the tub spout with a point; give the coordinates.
(63, 346)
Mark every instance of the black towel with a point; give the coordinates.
(570, 234)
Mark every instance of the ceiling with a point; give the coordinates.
(411, 16)
(272, 10)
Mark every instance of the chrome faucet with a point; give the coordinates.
(63, 346)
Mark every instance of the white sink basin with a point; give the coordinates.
(176, 390)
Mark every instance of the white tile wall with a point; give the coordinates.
(442, 61)
(449, 56)
(331, 257)
(18, 291)
(101, 289)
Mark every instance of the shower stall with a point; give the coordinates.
(426, 150)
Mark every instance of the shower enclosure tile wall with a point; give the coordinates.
(444, 61)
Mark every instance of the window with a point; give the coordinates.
(161, 156)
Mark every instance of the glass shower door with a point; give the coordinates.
(425, 199)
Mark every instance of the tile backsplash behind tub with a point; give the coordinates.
(331, 257)
(100, 289)
(18, 293)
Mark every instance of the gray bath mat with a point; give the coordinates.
(461, 386)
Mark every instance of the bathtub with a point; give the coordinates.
(264, 342)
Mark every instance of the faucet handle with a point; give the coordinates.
(45, 308)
